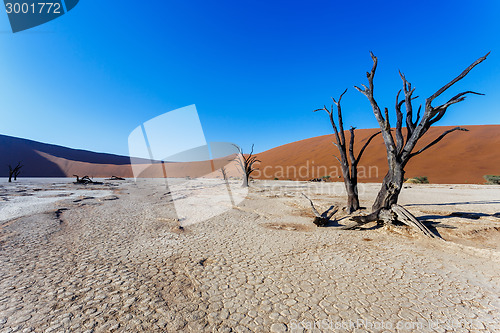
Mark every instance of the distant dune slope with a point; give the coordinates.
(461, 157)
(47, 160)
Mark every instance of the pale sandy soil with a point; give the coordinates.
(112, 258)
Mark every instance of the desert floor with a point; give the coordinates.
(112, 257)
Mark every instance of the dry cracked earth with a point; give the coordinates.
(118, 262)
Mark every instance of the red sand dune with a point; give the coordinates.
(157, 170)
(461, 157)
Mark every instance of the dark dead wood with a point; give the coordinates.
(404, 216)
(400, 151)
(246, 164)
(393, 215)
(115, 178)
(322, 220)
(224, 173)
(455, 80)
(439, 139)
(315, 211)
(363, 219)
(85, 180)
(17, 172)
(14, 171)
(366, 145)
(347, 160)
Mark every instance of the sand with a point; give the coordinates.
(460, 158)
(117, 261)
(32, 197)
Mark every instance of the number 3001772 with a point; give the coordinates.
(33, 8)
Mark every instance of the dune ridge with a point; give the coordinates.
(461, 157)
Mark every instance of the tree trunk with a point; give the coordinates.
(352, 195)
(391, 188)
(352, 203)
(245, 181)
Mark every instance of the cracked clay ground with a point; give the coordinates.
(114, 259)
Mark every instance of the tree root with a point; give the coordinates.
(393, 215)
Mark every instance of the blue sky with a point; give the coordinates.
(254, 69)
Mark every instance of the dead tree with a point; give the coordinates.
(223, 172)
(14, 172)
(400, 149)
(348, 163)
(86, 180)
(246, 163)
(322, 220)
(114, 178)
(17, 172)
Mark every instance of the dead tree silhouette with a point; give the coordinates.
(348, 161)
(14, 172)
(400, 149)
(246, 163)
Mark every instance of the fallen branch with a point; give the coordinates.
(321, 220)
(85, 180)
(115, 178)
(393, 215)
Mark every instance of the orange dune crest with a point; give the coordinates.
(461, 157)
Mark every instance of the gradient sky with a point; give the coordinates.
(254, 69)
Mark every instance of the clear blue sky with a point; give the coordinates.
(254, 69)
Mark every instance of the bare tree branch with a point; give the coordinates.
(323, 109)
(315, 211)
(399, 122)
(452, 82)
(366, 145)
(418, 116)
(439, 139)
(408, 91)
(251, 153)
(411, 129)
(368, 92)
(432, 115)
(339, 115)
(322, 220)
(14, 172)
(332, 212)
(438, 112)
